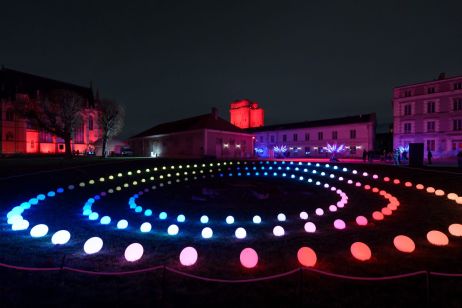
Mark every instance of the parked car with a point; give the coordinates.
(126, 151)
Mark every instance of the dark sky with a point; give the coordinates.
(301, 60)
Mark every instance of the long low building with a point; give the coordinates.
(202, 136)
(347, 136)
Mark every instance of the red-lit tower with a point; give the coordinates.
(246, 114)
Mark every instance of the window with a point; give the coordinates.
(457, 124)
(45, 136)
(457, 145)
(90, 122)
(430, 126)
(61, 147)
(407, 128)
(334, 135)
(284, 138)
(307, 136)
(458, 86)
(78, 134)
(457, 104)
(272, 138)
(352, 133)
(431, 90)
(320, 136)
(9, 136)
(353, 149)
(9, 116)
(407, 109)
(430, 107)
(295, 137)
(407, 93)
(431, 145)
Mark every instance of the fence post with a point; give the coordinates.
(427, 278)
(163, 285)
(300, 286)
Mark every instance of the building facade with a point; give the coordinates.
(19, 135)
(204, 136)
(346, 137)
(246, 114)
(429, 113)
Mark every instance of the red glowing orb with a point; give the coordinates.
(306, 256)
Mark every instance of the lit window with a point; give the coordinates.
(457, 124)
(295, 137)
(407, 109)
(430, 107)
(430, 126)
(457, 104)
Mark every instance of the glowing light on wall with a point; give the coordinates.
(281, 217)
(278, 231)
(339, 224)
(437, 238)
(162, 215)
(334, 148)
(188, 256)
(361, 221)
(256, 219)
(39, 230)
(404, 243)
(122, 224)
(455, 229)
(319, 212)
(248, 258)
(133, 252)
(105, 220)
(181, 218)
(304, 215)
(360, 251)
(240, 233)
(204, 219)
(207, 232)
(310, 227)
(229, 220)
(306, 257)
(61, 237)
(145, 227)
(280, 149)
(93, 245)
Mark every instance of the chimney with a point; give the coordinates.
(215, 113)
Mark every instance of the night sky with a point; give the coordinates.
(301, 60)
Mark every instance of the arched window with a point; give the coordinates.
(9, 116)
(9, 136)
(90, 122)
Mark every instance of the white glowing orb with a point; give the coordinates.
(173, 230)
(204, 219)
(339, 224)
(240, 233)
(61, 237)
(145, 227)
(304, 215)
(207, 232)
(278, 231)
(188, 256)
(256, 219)
(332, 208)
(39, 230)
(122, 224)
(319, 211)
(230, 220)
(15, 218)
(20, 225)
(310, 227)
(281, 217)
(133, 252)
(93, 245)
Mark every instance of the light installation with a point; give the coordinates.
(122, 224)
(281, 217)
(404, 243)
(310, 227)
(333, 149)
(134, 252)
(61, 237)
(455, 229)
(306, 257)
(248, 258)
(207, 232)
(93, 245)
(145, 227)
(280, 149)
(188, 256)
(256, 219)
(39, 230)
(173, 230)
(229, 220)
(360, 251)
(240, 233)
(437, 238)
(304, 215)
(204, 219)
(278, 231)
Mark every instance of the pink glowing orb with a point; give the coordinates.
(408, 184)
(249, 258)
(386, 211)
(419, 186)
(310, 227)
(341, 204)
(375, 176)
(439, 192)
(333, 208)
(382, 193)
(188, 256)
(404, 243)
(437, 238)
(392, 206)
(358, 184)
(431, 190)
(339, 224)
(361, 221)
(360, 251)
(375, 189)
(396, 181)
(455, 229)
(134, 252)
(377, 215)
(306, 256)
(319, 212)
(386, 179)
(367, 187)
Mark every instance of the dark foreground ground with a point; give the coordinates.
(418, 214)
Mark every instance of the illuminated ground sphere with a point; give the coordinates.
(240, 233)
(61, 237)
(207, 232)
(377, 215)
(437, 238)
(306, 256)
(256, 219)
(163, 215)
(145, 227)
(93, 216)
(181, 218)
(281, 217)
(404, 243)
(204, 219)
(230, 220)
(439, 192)
(319, 212)
(360, 251)
(278, 231)
(455, 229)
(452, 196)
(332, 208)
(173, 230)
(93, 245)
(386, 211)
(304, 215)
(133, 252)
(148, 212)
(310, 227)
(39, 230)
(248, 258)
(430, 190)
(122, 224)
(20, 225)
(361, 221)
(105, 220)
(339, 224)
(188, 256)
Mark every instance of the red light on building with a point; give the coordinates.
(246, 114)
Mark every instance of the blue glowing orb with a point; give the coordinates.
(230, 220)
(138, 209)
(204, 219)
(148, 212)
(281, 217)
(256, 219)
(207, 233)
(181, 218)
(20, 225)
(93, 245)
(105, 220)
(163, 215)
(93, 216)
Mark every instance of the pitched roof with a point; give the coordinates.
(205, 121)
(363, 118)
(13, 82)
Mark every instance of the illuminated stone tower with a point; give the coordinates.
(246, 114)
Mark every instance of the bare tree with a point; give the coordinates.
(110, 120)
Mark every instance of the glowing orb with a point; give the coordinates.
(188, 256)
(20, 225)
(207, 232)
(455, 229)
(278, 231)
(256, 219)
(361, 221)
(339, 224)
(310, 227)
(145, 227)
(452, 196)
(138, 209)
(377, 215)
(360, 251)
(332, 208)
(386, 211)
(304, 215)
(122, 224)
(248, 258)
(459, 200)
(16, 218)
(105, 220)
(306, 256)
(93, 245)
(163, 215)
(148, 212)
(437, 238)
(281, 217)
(319, 212)
(240, 233)
(181, 218)
(419, 186)
(230, 220)
(404, 243)
(133, 252)
(173, 230)
(61, 237)
(39, 230)
(93, 216)
(408, 184)
(204, 219)
(386, 179)
(430, 190)
(396, 181)
(439, 192)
